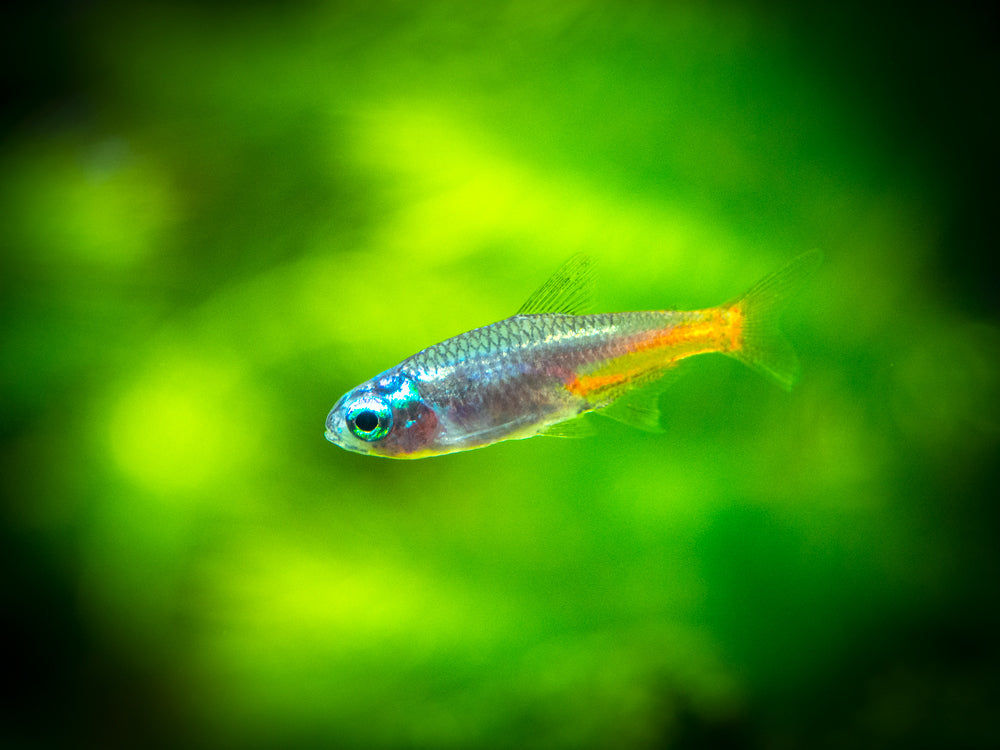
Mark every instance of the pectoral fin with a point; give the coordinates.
(572, 428)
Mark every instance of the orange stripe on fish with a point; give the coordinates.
(584, 385)
(718, 329)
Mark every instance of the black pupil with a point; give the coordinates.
(366, 421)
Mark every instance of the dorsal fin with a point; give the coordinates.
(569, 291)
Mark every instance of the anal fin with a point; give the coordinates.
(641, 407)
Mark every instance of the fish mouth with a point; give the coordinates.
(332, 430)
(337, 438)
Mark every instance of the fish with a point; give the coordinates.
(541, 370)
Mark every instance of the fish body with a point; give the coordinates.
(536, 372)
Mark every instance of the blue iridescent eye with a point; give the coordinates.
(369, 418)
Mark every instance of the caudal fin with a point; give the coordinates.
(763, 346)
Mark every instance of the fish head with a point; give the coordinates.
(384, 417)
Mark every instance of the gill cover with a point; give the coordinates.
(385, 417)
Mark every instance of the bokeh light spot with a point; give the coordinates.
(178, 427)
(98, 203)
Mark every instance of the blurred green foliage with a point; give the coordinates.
(227, 215)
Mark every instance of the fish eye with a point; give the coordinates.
(369, 419)
(366, 421)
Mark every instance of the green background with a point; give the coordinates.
(218, 218)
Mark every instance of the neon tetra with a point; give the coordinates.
(533, 373)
